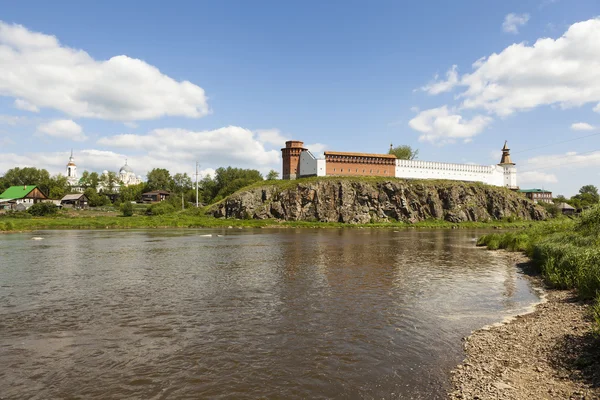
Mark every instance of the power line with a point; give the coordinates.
(549, 166)
(561, 142)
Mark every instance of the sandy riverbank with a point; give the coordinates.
(548, 354)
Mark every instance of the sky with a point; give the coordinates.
(166, 84)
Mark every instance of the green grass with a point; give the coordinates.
(196, 218)
(566, 252)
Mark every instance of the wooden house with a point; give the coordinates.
(22, 196)
(566, 209)
(155, 196)
(78, 200)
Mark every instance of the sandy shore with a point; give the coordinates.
(548, 354)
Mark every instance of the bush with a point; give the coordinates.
(160, 208)
(42, 209)
(127, 209)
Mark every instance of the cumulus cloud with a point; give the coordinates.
(438, 125)
(11, 120)
(582, 126)
(536, 177)
(512, 22)
(563, 72)
(230, 145)
(437, 87)
(62, 128)
(272, 136)
(40, 72)
(25, 105)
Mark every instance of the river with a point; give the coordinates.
(244, 314)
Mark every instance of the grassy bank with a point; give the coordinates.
(197, 219)
(567, 253)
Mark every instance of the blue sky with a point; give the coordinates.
(227, 82)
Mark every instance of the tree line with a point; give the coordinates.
(101, 188)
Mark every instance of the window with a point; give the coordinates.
(370, 171)
(334, 170)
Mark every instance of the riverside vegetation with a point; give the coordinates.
(312, 202)
(566, 252)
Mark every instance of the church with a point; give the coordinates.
(125, 177)
(299, 162)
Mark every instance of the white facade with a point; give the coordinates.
(310, 165)
(71, 173)
(503, 174)
(496, 175)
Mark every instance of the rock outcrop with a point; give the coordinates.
(356, 200)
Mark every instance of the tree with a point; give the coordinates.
(588, 196)
(182, 183)
(95, 199)
(109, 180)
(272, 175)
(28, 176)
(404, 152)
(132, 192)
(159, 179)
(58, 186)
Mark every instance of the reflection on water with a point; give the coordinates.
(255, 313)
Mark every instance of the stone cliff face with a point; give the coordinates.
(360, 201)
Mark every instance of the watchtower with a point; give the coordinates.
(510, 171)
(291, 158)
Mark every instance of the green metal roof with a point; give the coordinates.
(17, 192)
(534, 191)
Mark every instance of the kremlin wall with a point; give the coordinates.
(299, 162)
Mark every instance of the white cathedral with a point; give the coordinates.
(125, 177)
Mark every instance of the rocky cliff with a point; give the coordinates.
(359, 200)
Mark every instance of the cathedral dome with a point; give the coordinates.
(125, 169)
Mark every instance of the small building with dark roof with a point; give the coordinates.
(78, 200)
(155, 196)
(566, 209)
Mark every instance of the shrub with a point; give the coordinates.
(42, 209)
(160, 208)
(127, 209)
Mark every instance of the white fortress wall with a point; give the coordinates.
(417, 169)
(321, 167)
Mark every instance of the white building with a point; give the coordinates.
(125, 177)
(72, 178)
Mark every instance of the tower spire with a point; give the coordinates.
(506, 155)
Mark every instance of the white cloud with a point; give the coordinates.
(11, 120)
(437, 125)
(562, 162)
(272, 136)
(130, 124)
(512, 22)
(230, 145)
(25, 105)
(317, 149)
(536, 177)
(582, 126)
(62, 128)
(415, 109)
(41, 73)
(437, 87)
(565, 72)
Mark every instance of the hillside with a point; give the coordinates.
(365, 200)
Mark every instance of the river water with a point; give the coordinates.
(236, 314)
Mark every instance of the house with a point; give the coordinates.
(75, 200)
(21, 197)
(537, 195)
(566, 209)
(155, 196)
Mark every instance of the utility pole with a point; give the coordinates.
(196, 184)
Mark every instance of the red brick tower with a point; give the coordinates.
(291, 158)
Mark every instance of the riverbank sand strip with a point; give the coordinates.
(548, 354)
